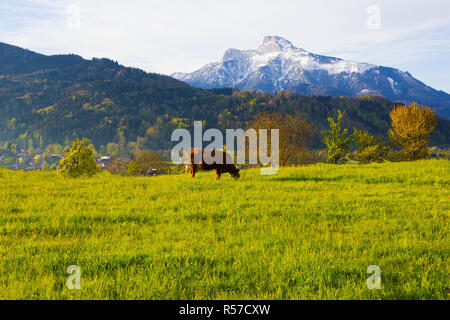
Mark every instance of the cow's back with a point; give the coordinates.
(224, 157)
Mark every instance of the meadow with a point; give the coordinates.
(306, 233)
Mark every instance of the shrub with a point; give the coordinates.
(133, 168)
(149, 159)
(79, 161)
(368, 148)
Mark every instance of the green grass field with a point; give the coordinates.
(306, 233)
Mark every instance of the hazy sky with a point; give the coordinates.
(183, 35)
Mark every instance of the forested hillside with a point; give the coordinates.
(55, 99)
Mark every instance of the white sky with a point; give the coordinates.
(183, 35)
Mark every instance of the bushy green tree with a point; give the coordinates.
(338, 141)
(368, 148)
(79, 161)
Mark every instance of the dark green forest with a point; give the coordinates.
(55, 99)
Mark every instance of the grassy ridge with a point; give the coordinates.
(308, 232)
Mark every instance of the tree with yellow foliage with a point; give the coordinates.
(411, 129)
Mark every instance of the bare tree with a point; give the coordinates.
(295, 134)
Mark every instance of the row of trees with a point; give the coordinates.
(409, 135)
(407, 139)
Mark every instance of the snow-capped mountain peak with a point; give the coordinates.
(279, 65)
(276, 58)
(275, 44)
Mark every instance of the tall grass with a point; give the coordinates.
(306, 233)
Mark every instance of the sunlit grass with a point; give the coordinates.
(306, 233)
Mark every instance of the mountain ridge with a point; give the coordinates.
(278, 65)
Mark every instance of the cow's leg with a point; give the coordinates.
(218, 173)
(193, 167)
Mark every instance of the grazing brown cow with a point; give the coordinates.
(219, 167)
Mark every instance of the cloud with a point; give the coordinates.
(183, 35)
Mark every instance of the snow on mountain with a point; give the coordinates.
(279, 65)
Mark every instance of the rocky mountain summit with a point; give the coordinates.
(278, 65)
